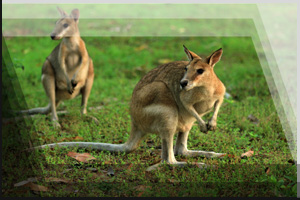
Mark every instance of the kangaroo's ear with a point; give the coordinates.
(214, 57)
(62, 12)
(191, 55)
(75, 15)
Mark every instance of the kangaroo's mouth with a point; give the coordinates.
(187, 87)
(55, 37)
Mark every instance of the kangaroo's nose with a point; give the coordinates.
(52, 37)
(184, 83)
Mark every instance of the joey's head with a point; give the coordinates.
(199, 72)
(67, 25)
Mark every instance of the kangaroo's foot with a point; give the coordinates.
(194, 153)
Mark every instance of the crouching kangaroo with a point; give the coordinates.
(68, 70)
(168, 100)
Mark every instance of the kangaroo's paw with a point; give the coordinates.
(74, 83)
(203, 128)
(71, 86)
(70, 89)
(211, 126)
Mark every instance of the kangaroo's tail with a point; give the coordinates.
(33, 111)
(91, 145)
(130, 145)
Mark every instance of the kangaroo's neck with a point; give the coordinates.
(72, 42)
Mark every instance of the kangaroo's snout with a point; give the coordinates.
(52, 36)
(184, 83)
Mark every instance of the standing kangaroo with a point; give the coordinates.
(168, 100)
(68, 70)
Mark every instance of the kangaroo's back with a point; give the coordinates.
(169, 74)
(182, 91)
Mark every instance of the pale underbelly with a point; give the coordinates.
(63, 94)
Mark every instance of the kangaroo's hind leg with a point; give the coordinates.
(48, 80)
(181, 148)
(86, 90)
(165, 119)
(167, 155)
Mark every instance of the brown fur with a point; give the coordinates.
(168, 100)
(68, 71)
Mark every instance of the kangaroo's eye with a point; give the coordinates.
(200, 71)
(66, 25)
(185, 69)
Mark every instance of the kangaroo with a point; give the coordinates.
(168, 100)
(68, 71)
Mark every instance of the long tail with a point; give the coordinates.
(130, 145)
(92, 145)
(33, 111)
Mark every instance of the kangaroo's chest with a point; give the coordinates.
(204, 106)
(72, 60)
(205, 100)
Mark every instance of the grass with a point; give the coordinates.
(119, 63)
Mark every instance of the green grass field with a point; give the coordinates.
(119, 64)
